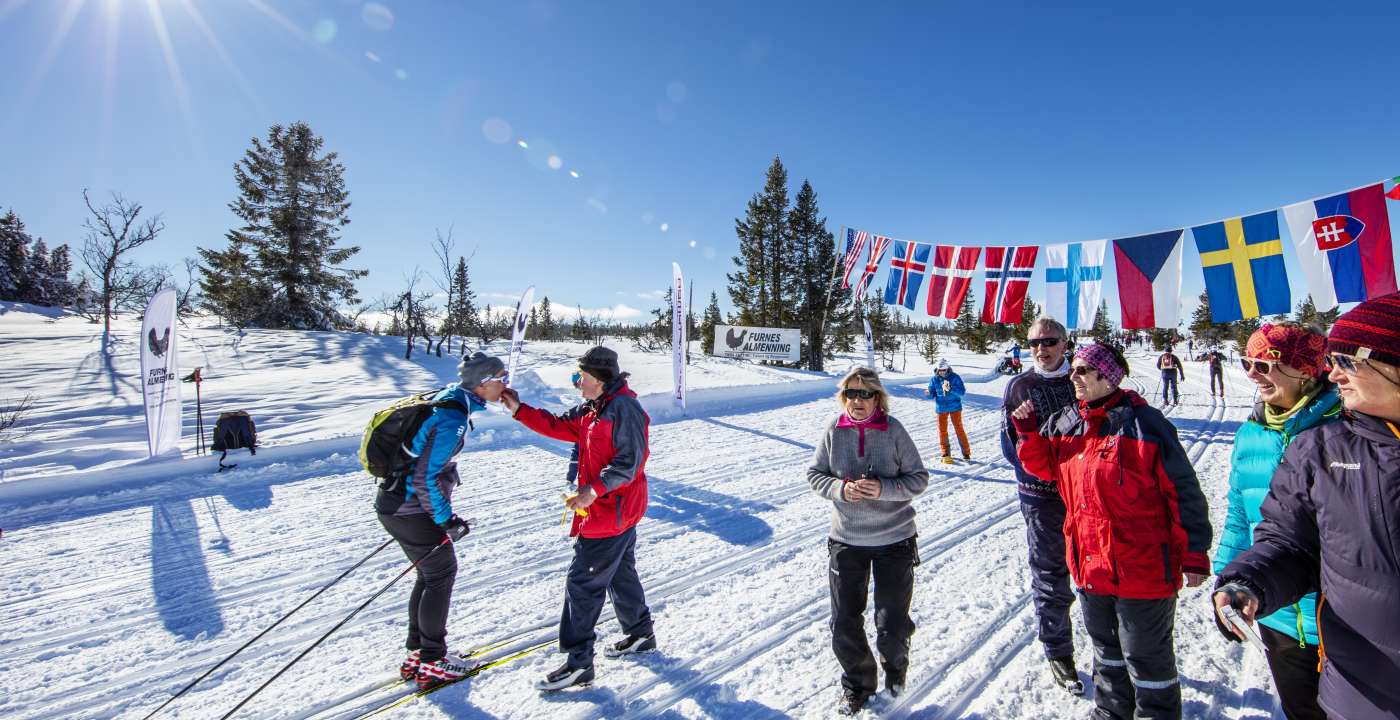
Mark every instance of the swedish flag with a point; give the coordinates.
(1243, 262)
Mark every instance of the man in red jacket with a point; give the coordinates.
(610, 433)
(1136, 520)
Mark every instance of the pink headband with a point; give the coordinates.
(1101, 358)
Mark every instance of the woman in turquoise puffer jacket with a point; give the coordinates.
(1285, 360)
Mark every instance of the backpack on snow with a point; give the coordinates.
(233, 431)
(384, 451)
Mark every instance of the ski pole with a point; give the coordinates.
(445, 541)
(206, 674)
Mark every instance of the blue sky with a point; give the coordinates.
(966, 123)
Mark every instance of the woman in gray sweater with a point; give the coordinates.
(868, 467)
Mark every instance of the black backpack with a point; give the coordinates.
(384, 449)
(234, 431)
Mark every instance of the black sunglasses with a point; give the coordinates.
(1082, 370)
(853, 393)
(1047, 342)
(1263, 367)
(1346, 363)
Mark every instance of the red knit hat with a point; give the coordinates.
(1370, 330)
(1293, 346)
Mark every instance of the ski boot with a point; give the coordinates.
(851, 702)
(1062, 668)
(631, 644)
(442, 671)
(409, 669)
(566, 676)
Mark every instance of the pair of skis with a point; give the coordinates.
(476, 669)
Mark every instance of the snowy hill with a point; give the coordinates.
(123, 580)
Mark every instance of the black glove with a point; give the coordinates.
(456, 528)
(1237, 593)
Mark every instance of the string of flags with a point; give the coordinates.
(1343, 243)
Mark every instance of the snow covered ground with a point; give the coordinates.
(123, 580)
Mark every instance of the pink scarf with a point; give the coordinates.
(876, 421)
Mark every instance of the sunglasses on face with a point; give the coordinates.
(853, 393)
(1263, 367)
(1346, 363)
(1043, 342)
(1082, 370)
(575, 379)
(502, 378)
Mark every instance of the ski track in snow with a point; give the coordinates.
(112, 602)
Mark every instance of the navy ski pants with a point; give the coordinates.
(1045, 539)
(1169, 378)
(1134, 659)
(602, 567)
(432, 589)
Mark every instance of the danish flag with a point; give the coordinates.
(1008, 277)
(951, 277)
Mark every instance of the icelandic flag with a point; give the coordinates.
(855, 242)
(1149, 279)
(1008, 271)
(1243, 262)
(907, 269)
(1074, 282)
(1343, 244)
(951, 277)
(877, 253)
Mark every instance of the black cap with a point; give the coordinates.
(600, 362)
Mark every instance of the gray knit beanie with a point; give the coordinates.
(478, 368)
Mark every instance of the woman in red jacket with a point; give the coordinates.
(609, 431)
(1135, 521)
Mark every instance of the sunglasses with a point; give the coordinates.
(1082, 370)
(1346, 363)
(853, 393)
(575, 379)
(1045, 342)
(502, 378)
(1263, 367)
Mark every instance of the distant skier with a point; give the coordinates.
(1216, 362)
(947, 390)
(417, 512)
(1170, 366)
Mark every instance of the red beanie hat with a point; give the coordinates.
(1293, 346)
(1370, 330)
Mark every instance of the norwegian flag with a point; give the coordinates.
(907, 269)
(878, 246)
(1008, 277)
(950, 279)
(855, 242)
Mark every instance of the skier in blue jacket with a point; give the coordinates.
(1286, 362)
(416, 510)
(947, 389)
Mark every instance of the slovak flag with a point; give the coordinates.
(907, 269)
(1343, 244)
(877, 253)
(855, 242)
(1149, 279)
(951, 277)
(1008, 272)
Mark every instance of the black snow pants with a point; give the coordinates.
(1045, 540)
(1294, 668)
(602, 567)
(850, 568)
(1134, 659)
(432, 590)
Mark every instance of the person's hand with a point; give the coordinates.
(511, 399)
(456, 528)
(1024, 411)
(1195, 579)
(1241, 600)
(947, 386)
(850, 491)
(583, 499)
(869, 487)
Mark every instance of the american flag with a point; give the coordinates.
(877, 253)
(855, 242)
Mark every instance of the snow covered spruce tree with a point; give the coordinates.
(292, 201)
(461, 317)
(34, 275)
(708, 321)
(820, 301)
(761, 283)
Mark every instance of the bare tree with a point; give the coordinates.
(11, 413)
(413, 305)
(113, 232)
(442, 250)
(186, 292)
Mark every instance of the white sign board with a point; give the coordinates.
(757, 343)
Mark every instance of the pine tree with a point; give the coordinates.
(462, 314)
(1307, 313)
(1203, 328)
(929, 346)
(708, 322)
(14, 255)
(229, 286)
(37, 275)
(764, 263)
(580, 330)
(58, 286)
(532, 331)
(1103, 330)
(818, 296)
(882, 329)
(1030, 312)
(546, 320)
(1239, 331)
(968, 330)
(292, 201)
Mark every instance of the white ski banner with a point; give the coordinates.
(517, 333)
(160, 375)
(869, 346)
(678, 334)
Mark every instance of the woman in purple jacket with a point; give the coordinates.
(1331, 523)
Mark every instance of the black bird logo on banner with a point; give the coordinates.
(158, 347)
(735, 342)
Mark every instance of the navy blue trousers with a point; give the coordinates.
(1045, 538)
(602, 567)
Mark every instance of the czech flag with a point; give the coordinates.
(1149, 279)
(1343, 244)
